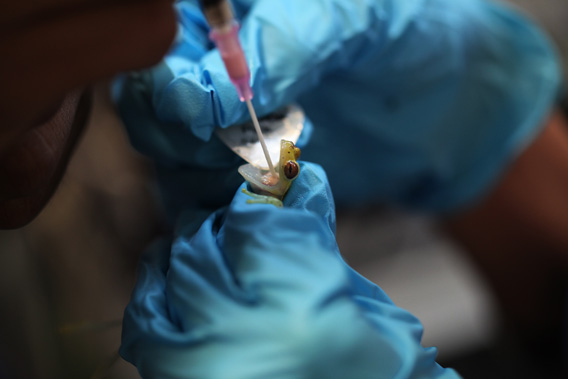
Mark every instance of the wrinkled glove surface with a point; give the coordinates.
(262, 292)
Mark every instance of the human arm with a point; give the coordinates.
(518, 231)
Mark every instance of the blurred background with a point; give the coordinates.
(66, 278)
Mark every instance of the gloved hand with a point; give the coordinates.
(195, 177)
(426, 101)
(262, 292)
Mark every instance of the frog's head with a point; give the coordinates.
(264, 183)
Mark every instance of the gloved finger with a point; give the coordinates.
(168, 143)
(192, 174)
(311, 192)
(313, 181)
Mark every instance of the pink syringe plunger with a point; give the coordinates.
(225, 34)
(228, 44)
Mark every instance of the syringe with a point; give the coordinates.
(224, 32)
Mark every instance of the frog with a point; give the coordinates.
(268, 188)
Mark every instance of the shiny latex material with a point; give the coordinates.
(262, 292)
(418, 102)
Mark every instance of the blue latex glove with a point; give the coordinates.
(426, 101)
(195, 177)
(262, 292)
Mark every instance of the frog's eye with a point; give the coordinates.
(291, 169)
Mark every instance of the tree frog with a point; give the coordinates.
(267, 188)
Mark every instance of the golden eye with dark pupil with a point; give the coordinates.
(291, 169)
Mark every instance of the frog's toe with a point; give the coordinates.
(262, 199)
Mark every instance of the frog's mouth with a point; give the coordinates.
(261, 181)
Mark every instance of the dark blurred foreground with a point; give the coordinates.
(76, 262)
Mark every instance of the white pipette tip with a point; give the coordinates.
(260, 137)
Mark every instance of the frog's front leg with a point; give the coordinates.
(262, 199)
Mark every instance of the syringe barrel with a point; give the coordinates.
(227, 41)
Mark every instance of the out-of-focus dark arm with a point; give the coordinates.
(518, 235)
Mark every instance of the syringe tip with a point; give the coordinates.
(243, 88)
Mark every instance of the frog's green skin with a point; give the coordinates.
(262, 199)
(258, 179)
